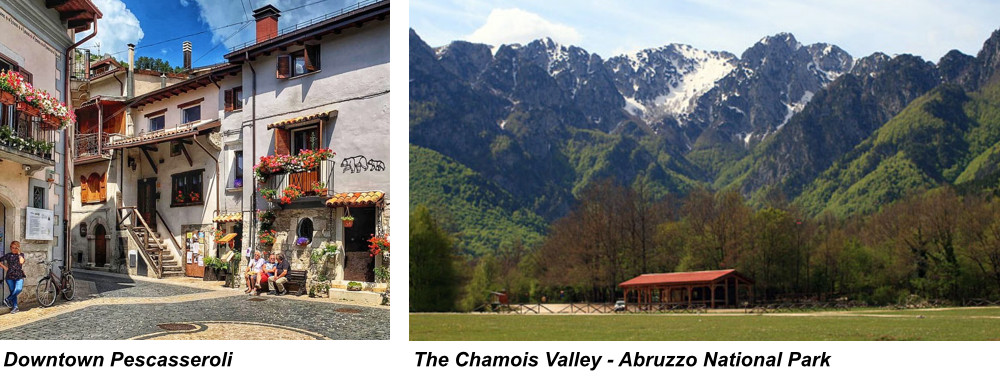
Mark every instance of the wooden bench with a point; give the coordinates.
(296, 279)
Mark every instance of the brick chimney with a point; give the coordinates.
(186, 47)
(267, 22)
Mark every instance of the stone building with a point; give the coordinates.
(103, 91)
(36, 41)
(324, 85)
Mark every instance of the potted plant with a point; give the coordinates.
(269, 194)
(325, 250)
(215, 269)
(320, 290)
(354, 286)
(219, 234)
(319, 188)
(378, 245)
(290, 193)
(302, 241)
(348, 221)
(267, 237)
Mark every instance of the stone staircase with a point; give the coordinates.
(155, 249)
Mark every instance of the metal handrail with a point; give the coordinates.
(134, 214)
(173, 237)
(303, 24)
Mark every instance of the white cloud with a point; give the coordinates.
(185, 3)
(505, 26)
(116, 29)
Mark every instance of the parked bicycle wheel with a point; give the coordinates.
(46, 292)
(69, 287)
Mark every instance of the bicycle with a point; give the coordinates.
(51, 284)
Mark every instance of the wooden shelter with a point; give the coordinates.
(714, 288)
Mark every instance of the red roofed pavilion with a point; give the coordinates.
(710, 288)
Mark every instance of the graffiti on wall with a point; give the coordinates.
(359, 164)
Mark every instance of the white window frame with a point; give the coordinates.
(150, 125)
(184, 112)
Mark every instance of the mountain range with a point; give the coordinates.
(503, 138)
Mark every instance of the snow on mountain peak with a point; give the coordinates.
(666, 81)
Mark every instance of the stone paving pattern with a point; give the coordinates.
(136, 310)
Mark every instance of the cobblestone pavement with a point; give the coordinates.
(112, 286)
(148, 310)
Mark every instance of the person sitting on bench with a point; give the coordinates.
(266, 272)
(277, 282)
(254, 268)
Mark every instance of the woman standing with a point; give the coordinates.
(11, 262)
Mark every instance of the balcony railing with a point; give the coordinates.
(80, 67)
(94, 145)
(23, 139)
(304, 180)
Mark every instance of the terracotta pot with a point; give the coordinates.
(50, 122)
(28, 109)
(6, 98)
(348, 223)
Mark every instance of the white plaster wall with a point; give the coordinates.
(354, 80)
(93, 213)
(34, 37)
(209, 108)
(108, 86)
(232, 139)
(175, 217)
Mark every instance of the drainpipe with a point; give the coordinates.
(253, 152)
(67, 137)
(218, 182)
(121, 85)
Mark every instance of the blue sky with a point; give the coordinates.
(928, 28)
(149, 23)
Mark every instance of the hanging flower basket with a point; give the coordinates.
(6, 97)
(348, 221)
(28, 109)
(51, 122)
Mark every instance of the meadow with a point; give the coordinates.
(871, 325)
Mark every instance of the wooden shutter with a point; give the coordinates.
(312, 57)
(103, 196)
(282, 141)
(26, 74)
(284, 67)
(94, 183)
(84, 190)
(229, 100)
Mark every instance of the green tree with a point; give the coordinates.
(432, 274)
(484, 281)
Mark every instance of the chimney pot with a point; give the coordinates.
(267, 22)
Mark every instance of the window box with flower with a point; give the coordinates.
(31, 101)
(187, 189)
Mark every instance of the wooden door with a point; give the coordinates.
(147, 201)
(100, 246)
(195, 243)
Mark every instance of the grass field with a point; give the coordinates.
(928, 324)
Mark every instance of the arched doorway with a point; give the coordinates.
(100, 246)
